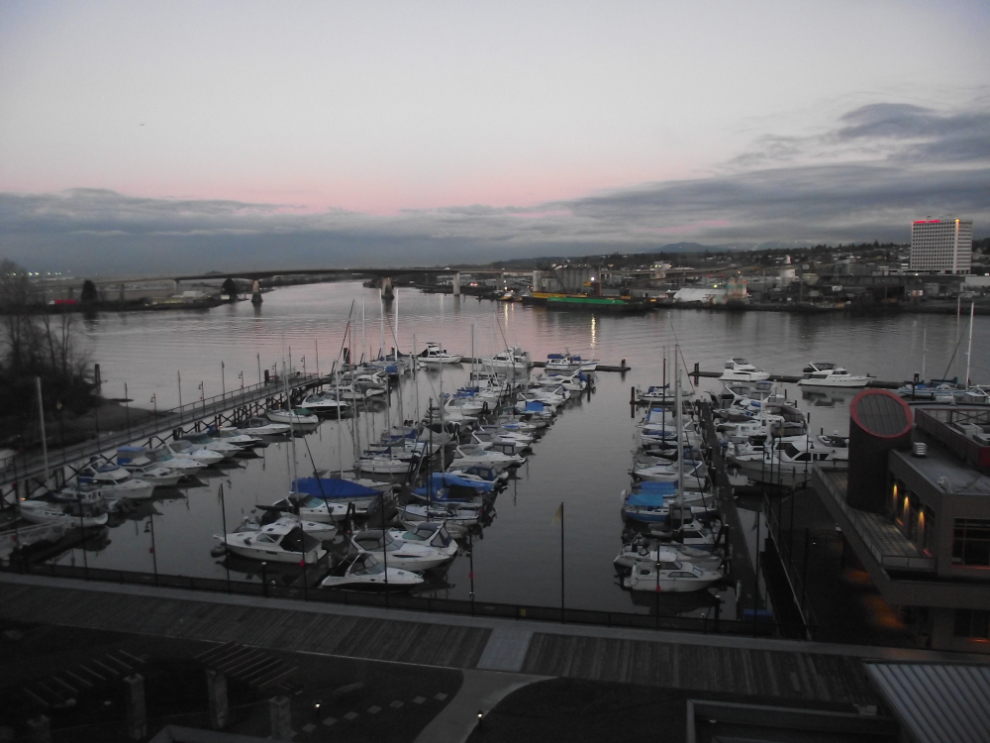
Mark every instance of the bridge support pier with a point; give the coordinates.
(457, 285)
(175, 286)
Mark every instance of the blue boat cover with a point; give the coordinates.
(331, 487)
(446, 480)
(534, 406)
(667, 488)
(654, 500)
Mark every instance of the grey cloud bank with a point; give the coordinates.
(866, 177)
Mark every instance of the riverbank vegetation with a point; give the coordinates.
(37, 346)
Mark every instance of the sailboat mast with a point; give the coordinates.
(969, 350)
(680, 430)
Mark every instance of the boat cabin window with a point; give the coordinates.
(442, 539)
(264, 539)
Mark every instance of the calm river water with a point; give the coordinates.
(582, 461)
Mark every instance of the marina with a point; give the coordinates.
(580, 464)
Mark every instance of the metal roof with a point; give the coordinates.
(937, 702)
(881, 413)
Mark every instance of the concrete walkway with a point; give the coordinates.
(496, 655)
(479, 693)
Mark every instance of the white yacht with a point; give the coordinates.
(670, 575)
(287, 543)
(301, 420)
(322, 530)
(69, 514)
(327, 403)
(364, 571)
(186, 450)
(513, 360)
(471, 454)
(740, 370)
(417, 556)
(115, 482)
(205, 441)
(177, 460)
(827, 374)
(435, 355)
(264, 427)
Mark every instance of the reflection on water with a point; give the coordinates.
(582, 461)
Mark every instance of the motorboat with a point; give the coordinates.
(40, 511)
(939, 390)
(208, 442)
(645, 549)
(471, 454)
(652, 503)
(566, 363)
(350, 394)
(435, 355)
(417, 556)
(670, 575)
(834, 440)
(157, 475)
(788, 463)
(327, 499)
(669, 472)
(300, 420)
(660, 394)
(314, 508)
(188, 466)
(234, 436)
(574, 383)
(364, 571)
(827, 374)
(459, 514)
(505, 443)
(474, 483)
(739, 370)
(188, 450)
(286, 543)
(264, 427)
(270, 523)
(115, 482)
(502, 434)
(512, 359)
(133, 457)
(432, 533)
(327, 403)
(387, 461)
(482, 471)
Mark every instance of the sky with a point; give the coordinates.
(188, 136)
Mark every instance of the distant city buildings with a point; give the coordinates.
(942, 245)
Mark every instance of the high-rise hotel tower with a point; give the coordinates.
(942, 245)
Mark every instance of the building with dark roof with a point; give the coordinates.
(914, 506)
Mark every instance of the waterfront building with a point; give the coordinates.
(942, 245)
(914, 507)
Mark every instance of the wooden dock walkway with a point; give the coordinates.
(158, 425)
(737, 665)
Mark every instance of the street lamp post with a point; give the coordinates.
(61, 429)
(223, 383)
(127, 407)
(240, 376)
(202, 396)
